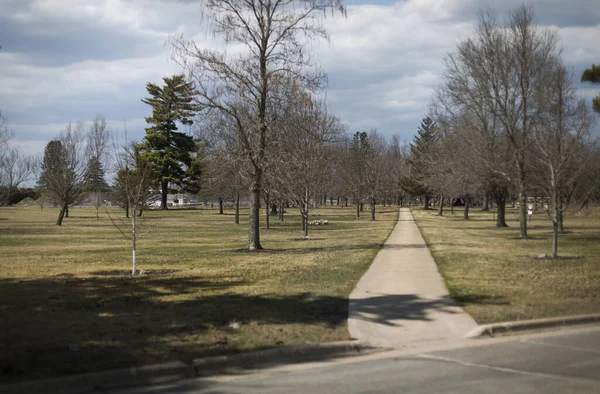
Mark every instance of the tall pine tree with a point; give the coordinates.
(173, 154)
(415, 184)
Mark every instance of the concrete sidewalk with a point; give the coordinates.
(402, 301)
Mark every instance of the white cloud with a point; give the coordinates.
(67, 60)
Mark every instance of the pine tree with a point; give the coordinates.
(420, 161)
(592, 75)
(173, 154)
(95, 182)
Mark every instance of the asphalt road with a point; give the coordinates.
(566, 361)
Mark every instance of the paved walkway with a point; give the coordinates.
(401, 300)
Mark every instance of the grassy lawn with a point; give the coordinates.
(495, 275)
(68, 305)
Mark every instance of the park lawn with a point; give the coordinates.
(496, 276)
(68, 304)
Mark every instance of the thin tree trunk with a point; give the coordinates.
(237, 208)
(554, 238)
(267, 210)
(561, 223)
(522, 196)
(66, 211)
(127, 210)
(357, 209)
(372, 208)
(362, 206)
(426, 207)
(220, 206)
(61, 215)
(164, 191)
(141, 211)
(486, 202)
(254, 217)
(441, 209)
(133, 242)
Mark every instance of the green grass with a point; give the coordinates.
(68, 304)
(497, 277)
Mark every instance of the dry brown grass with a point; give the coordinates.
(68, 305)
(497, 277)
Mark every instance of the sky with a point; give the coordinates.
(65, 61)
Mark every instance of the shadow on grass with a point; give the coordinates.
(302, 249)
(64, 325)
(481, 299)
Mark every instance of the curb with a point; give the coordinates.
(177, 370)
(506, 328)
(286, 355)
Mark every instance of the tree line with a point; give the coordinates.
(506, 122)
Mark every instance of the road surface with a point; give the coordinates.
(566, 361)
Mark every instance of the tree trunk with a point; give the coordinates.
(164, 191)
(141, 211)
(522, 196)
(133, 242)
(237, 208)
(127, 210)
(441, 210)
(362, 206)
(372, 208)
(267, 210)
(561, 223)
(486, 202)
(61, 215)
(66, 211)
(554, 239)
(500, 197)
(220, 206)
(426, 207)
(305, 218)
(97, 206)
(254, 216)
(357, 209)
(467, 206)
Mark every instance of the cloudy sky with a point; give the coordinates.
(69, 60)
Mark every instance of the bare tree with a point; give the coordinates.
(64, 166)
(274, 34)
(505, 67)
(134, 175)
(15, 167)
(98, 134)
(562, 141)
(376, 168)
(301, 172)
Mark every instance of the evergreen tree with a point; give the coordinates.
(420, 161)
(173, 154)
(592, 75)
(95, 182)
